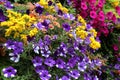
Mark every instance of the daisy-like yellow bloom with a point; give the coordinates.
(33, 32)
(93, 31)
(115, 3)
(82, 34)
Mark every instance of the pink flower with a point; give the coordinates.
(109, 15)
(101, 17)
(114, 19)
(118, 10)
(115, 47)
(93, 14)
(100, 4)
(101, 13)
(83, 5)
(84, 14)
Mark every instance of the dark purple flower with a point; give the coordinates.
(47, 40)
(14, 57)
(18, 47)
(2, 16)
(44, 75)
(38, 69)
(82, 66)
(49, 62)
(9, 72)
(50, 3)
(60, 63)
(39, 9)
(65, 78)
(9, 44)
(46, 23)
(66, 27)
(71, 51)
(37, 61)
(75, 74)
(60, 12)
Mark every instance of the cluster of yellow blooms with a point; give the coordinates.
(64, 9)
(19, 25)
(82, 33)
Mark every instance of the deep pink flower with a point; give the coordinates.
(109, 15)
(100, 4)
(101, 17)
(83, 5)
(93, 14)
(84, 14)
(115, 47)
(101, 13)
(118, 10)
(114, 19)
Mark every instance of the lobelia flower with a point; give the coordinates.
(37, 61)
(45, 51)
(60, 63)
(75, 74)
(14, 57)
(18, 47)
(9, 72)
(66, 27)
(71, 51)
(9, 44)
(72, 62)
(93, 14)
(49, 62)
(82, 66)
(44, 75)
(2, 16)
(65, 78)
(47, 40)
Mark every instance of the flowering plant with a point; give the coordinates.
(57, 44)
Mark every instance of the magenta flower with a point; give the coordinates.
(101, 17)
(115, 47)
(118, 10)
(83, 5)
(109, 15)
(93, 14)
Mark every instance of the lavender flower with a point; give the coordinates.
(49, 61)
(9, 72)
(8, 5)
(44, 75)
(75, 74)
(60, 63)
(37, 61)
(40, 26)
(66, 27)
(117, 66)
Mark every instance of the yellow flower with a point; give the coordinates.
(43, 3)
(16, 34)
(8, 32)
(95, 45)
(93, 32)
(33, 32)
(24, 38)
(115, 3)
(82, 34)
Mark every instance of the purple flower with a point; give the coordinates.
(66, 27)
(45, 23)
(39, 9)
(82, 66)
(2, 16)
(8, 5)
(36, 48)
(60, 12)
(65, 78)
(40, 26)
(14, 57)
(9, 72)
(93, 14)
(87, 41)
(89, 27)
(44, 75)
(60, 63)
(50, 3)
(9, 44)
(75, 74)
(72, 62)
(45, 51)
(47, 40)
(41, 44)
(117, 66)
(71, 51)
(95, 78)
(49, 62)
(37, 61)
(18, 47)
(38, 69)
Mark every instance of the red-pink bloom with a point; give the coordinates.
(83, 5)
(93, 14)
(101, 13)
(101, 17)
(114, 19)
(118, 10)
(115, 47)
(109, 15)
(100, 4)
(84, 14)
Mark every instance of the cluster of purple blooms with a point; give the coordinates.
(59, 59)
(16, 48)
